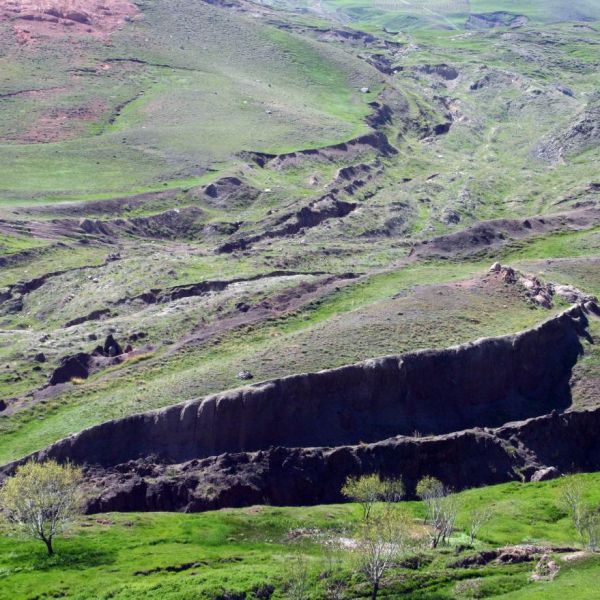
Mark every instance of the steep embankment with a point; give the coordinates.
(536, 449)
(482, 384)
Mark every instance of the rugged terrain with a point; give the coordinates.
(266, 197)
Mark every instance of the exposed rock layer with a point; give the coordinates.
(305, 476)
(485, 383)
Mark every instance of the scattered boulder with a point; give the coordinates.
(112, 347)
(245, 375)
(573, 294)
(545, 474)
(40, 357)
(442, 128)
(80, 365)
(451, 217)
(138, 335)
(545, 570)
(77, 365)
(242, 307)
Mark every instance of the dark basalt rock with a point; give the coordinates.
(77, 365)
(80, 365)
(306, 476)
(295, 440)
(112, 347)
(447, 72)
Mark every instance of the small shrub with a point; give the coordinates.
(469, 588)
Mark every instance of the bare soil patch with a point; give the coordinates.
(56, 18)
(60, 123)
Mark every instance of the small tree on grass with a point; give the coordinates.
(572, 499)
(477, 519)
(441, 509)
(369, 489)
(590, 528)
(381, 542)
(41, 499)
(586, 519)
(297, 583)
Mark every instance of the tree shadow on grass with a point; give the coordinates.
(69, 555)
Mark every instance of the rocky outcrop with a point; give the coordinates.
(373, 141)
(488, 234)
(446, 72)
(71, 367)
(201, 288)
(305, 476)
(226, 192)
(82, 364)
(582, 135)
(485, 383)
(316, 212)
(495, 19)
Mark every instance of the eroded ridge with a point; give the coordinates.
(380, 403)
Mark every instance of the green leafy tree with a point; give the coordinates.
(41, 500)
(369, 489)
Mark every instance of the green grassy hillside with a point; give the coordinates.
(398, 15)
(176, 556)
(169, 99)
(134, 202)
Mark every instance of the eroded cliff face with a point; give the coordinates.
(295, 440)
(541, 447)
(485, 383)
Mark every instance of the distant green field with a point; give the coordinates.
(402, 14)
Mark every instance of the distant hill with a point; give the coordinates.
(462, 14)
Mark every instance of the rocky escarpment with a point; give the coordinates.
(580, 136)
(373, 141)
(539, 448)
(489, 234)
(485, 383)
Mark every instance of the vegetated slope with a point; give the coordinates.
(173, 556)
(204, 194)
(166, 96)
(460, 14)
(289, 261)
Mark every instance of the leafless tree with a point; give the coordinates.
(381, 542)
(477, 519)
(586, 519)
(441, 509)
(590, 528)
(297, 578)
(572, 499)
